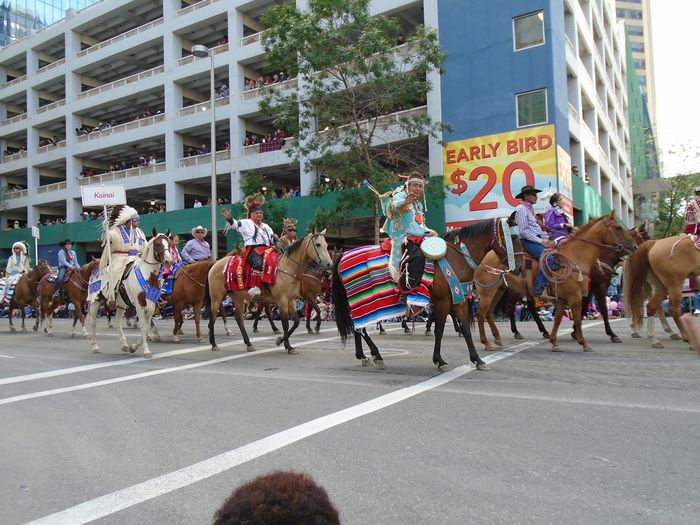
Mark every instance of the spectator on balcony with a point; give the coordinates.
(249, 84)
(282, 76)
(260, 82)
(16, 225)
(43, 142)
(152, 161)
(54, 140)
(143, 162)
(223, 40)
(204, 150)
(223, 91)
(197, 204)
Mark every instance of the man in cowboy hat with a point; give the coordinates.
(289, 234)
(123, 241)
(257, 237)
(66, 259)
(17, 265)
(197, 248)
(405, 226)
(531, 234)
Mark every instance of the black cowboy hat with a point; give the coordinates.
(63, 243)
(527, 190)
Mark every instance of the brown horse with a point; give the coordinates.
(480, 237)
(665, 263)
(578, 256)
(75, 289)
(283, 293)
(26, 294)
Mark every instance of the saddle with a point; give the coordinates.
(239, 275)
(531, 268)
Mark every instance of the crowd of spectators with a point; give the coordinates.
(265, 80)
(141, 162)
(12, 151)
(270, 142)
(107, 124)
(43, 141)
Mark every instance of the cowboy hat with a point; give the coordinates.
(63, 243)
(527, 190)
(197, 228)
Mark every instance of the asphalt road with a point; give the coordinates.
(611, 436)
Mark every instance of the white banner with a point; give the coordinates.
(35, 232)
(103, 195)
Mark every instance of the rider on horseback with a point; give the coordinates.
(257, 238)
(289, 234)
(17, 265)
(406, 228)
(125, 241)
(66, 259)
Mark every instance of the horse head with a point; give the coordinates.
(42, 268)
(316, 249)
(160, 246)
(617, 236)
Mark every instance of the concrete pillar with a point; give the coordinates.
(174, 195)
(74, 207)
(236, 194)
(434, 98)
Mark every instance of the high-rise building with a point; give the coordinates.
(637, 17)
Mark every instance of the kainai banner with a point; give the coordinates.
(103, 195)
(483, 174)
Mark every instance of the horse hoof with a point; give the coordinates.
(35, 328)
(126, 348)
(676, 337)
(250, 348)
(310, 331)
(24, 330)
(588, 348)
(482, 366)
(379, 363)
(132, 348)
(46, 330)
(148, 355)
(556, 348)
(407, 331)
(13, 329)
(499, 343)
(443, 367)
(382, 332)
(616, 339)
(657, 345)
(635, 335)
(518, 335)
(545, 335)
(201, 340)
(279, 340)
(428, 332)
(228, 333)
(110, 325)
(367, 361)
(489, 349)
(255, 330)
(276, 331)
(214, 348)
(292, 351)
(50, 334)
(158, 339)
(96, 350)
(317, 331)
(176, 339)
(573, 335)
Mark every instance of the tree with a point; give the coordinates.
(672, 204)
(352, 75)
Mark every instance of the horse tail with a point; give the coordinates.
(343, 319)
(636, 269)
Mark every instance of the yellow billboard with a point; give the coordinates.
(483, 174)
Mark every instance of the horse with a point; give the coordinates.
(75, 290)
(140, 288)
(26, 294)
(480, 236)
(285, 291)
(578, 256)
(665, 263)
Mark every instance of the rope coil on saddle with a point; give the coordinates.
(566, 267)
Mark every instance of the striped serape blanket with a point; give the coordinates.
(372, 293)
(6, 290)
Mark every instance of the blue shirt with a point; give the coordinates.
(527, 222)
(196, 250)
(63, 261)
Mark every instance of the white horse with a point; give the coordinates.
(142, 289)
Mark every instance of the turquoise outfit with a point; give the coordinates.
(404, 221)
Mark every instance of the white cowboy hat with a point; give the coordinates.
(697, 188)
(200, 228)
(21, 245)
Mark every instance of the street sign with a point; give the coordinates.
(103, 195)
(35, 232)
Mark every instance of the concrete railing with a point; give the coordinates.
(202, 106)
(254, 149)
(16, 194)
(122, 174)
(194, 7)
(52, 187)
(53, 105)
(16, 118)
(15, 156)
(191, 58)
(120, 37)
(255, 93)
(204, 159)
(122, 82)
(15, 81)
(384, 120)
(134, 124)
(573, 114)
(52, 65)
(51, 147)
(247, 40)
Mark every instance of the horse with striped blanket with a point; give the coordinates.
(365, 293)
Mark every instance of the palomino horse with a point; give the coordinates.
(26, 294)
(283, 293)
(665, 263)
(480, 237)
(140, 288)
(578, 256)
(75, 289)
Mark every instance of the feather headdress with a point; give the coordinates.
(253, 203)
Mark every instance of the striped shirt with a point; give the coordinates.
(527, 222)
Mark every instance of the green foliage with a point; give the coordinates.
(670, 219)
(352, 75)
(253, 182)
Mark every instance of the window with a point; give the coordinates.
(528, 30)
(532, 108)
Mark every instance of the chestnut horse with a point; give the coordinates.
(75, 289)
(479, 238)
(284, 293)
(665, 263)
(26, 294)
(578, 256)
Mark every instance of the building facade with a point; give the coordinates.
(114, 95)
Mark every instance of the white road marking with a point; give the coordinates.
(130, 361)
(7, 356)
(128, 497)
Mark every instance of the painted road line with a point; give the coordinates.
(128, 497)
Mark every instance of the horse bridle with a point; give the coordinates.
(158, 252)
(617, 247)
(318, 258)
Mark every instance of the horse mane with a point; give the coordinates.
(295, 245)
(583, 229)
(474, 229)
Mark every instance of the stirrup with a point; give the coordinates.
(254, 291)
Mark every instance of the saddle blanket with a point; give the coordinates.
(237, 275)
(50, 277)
(373, 295)
(6, 291)
(95, 283)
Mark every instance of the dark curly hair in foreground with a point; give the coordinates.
(279, 498)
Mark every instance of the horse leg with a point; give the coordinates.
(92, 323)
(37, 311)
(268, 312)
(377, 358)
(480, 318)
(601, 298)
(125, 347)
(462, 312)
(654, 306)
(197, 320)
(284, 317)
(318, 318)
(381, 328)
(178, 320)
(145, 315)
(359, 353)
(239, 307)
(674, 307)
(441, 310)
(575, 305)
(308, 321)
(404, 325)
(558, 314)
(429, 323)
(256, 318)
(666, 326)
(153, 328)
(494, 329)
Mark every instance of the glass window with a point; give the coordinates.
(528, 30)
(532, 108)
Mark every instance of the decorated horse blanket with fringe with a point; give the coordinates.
(372, 293)
(239, 276)
(6, 291)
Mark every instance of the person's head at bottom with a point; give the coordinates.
(280, 498)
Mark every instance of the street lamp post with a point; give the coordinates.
(203, 51)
